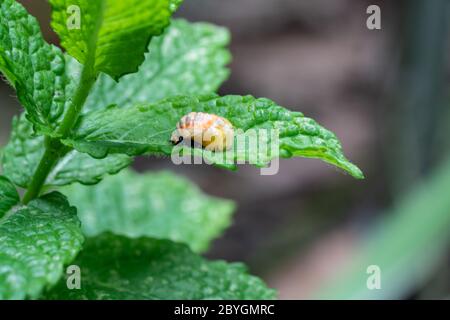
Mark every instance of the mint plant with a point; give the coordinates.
(128, 74)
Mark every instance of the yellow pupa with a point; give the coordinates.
(212, 132)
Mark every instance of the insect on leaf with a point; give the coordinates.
(148, 128)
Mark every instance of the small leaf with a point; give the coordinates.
(8, 196)
(147, 129)
(32, 66)
(112, 35)
(22, 154)
(159, 205)
(189, 58)
(146, 268)
(36, 241)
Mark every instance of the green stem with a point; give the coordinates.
(48, 160)
(87, 80)
(54, 149)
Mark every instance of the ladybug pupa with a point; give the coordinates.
(212, 132)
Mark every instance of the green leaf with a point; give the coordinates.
(8, 196)
(36, 241)
(159, 205)
(147, 129)
(189, 58)
(115, 267)
(32, 66)
(22, 154)
(112, 35)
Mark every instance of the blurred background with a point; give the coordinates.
(311, 231)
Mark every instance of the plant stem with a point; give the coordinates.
(54, 149)
(48, 160)
(84, 87)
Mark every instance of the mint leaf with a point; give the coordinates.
(112, 35)
(147, 129)
(36, 241)
(8, 196)
(146, 268)
(33, 67)
(23, 152)
(159, 205)
(189, 58)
